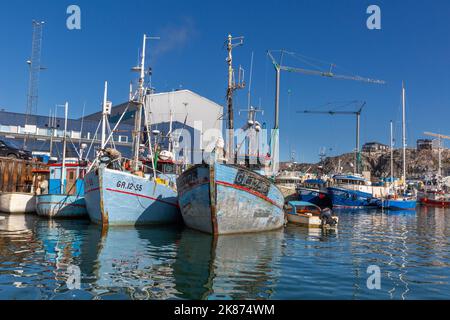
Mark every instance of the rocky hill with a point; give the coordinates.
(378, 163)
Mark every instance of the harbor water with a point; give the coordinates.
(69, 259)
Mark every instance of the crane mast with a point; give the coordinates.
(34, 71)
(439, 138)
(358, 126)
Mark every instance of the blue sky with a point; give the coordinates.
(413, 45)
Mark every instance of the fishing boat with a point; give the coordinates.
(19, 193)
(399, 199)
(352, 191)
(315, 192)
(287, 182)
(17, 202)
(307, 214)
(65, 196)
(225, 198)
(434, 192)
(119, 192)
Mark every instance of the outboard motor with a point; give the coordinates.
(326, 217)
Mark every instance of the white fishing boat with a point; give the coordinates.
(287, 182)
(17, 202)
(308, 214)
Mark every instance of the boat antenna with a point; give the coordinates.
(250, 83)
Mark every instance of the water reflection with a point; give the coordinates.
(411, 250)
(228, 267)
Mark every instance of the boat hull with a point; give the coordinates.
(347, 198)
(120, 198)
(434, 199)
(319, 198)
(17, 202)
(229, 199)
(398, 204)
(307, 221)
(61, 206)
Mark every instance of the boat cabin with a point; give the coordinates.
(73, 183)
(350, 180)
(316, 184)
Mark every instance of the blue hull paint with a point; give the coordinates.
(228, 199)
(120, 198)
(319, 198)
(345, 198)
(397, 204)
(61, 206)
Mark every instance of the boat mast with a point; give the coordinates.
(404, 134)
(439, 157)
(104, 116)
(63, 166)
(392, 153)
(138, 114)
(232, 86)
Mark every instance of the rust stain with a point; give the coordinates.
(212, 198)
(105, 220)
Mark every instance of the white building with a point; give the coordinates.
(192, 116)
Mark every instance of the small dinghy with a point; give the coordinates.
(309, 215)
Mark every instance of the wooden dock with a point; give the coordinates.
(17, 175)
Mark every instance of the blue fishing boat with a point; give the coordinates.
(123, 192)
(315, 192)
(403, 203)
(226, 199)
(116, 197)
(399, 198)
(65, 199)
(352, 191)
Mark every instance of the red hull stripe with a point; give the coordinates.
(142, 196)
(66, 204)
(92, 190)
(259, 195)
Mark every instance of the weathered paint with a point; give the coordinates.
(226, 199)
(61, 206)
(120, 198)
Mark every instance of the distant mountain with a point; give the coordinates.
(418, 163)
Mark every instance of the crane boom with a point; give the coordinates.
(330, 112)
(329, 74)
(437, 135)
